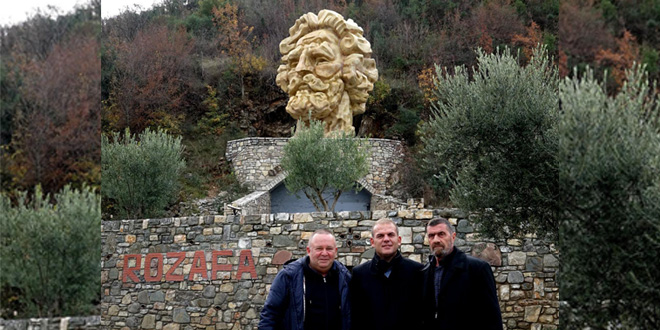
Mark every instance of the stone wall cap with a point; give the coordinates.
(256, 138)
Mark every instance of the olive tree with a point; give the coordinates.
(490, 142)
(50, 253)
(609, 172)
(317, 165)
(141, 175)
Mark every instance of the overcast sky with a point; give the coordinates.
(15, 11)
(111, 8)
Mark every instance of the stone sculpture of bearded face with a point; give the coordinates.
(326, 71)
(315, 76)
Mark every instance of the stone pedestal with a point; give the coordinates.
(256, 163)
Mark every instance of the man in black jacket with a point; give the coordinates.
(459, 290)
(386, 291)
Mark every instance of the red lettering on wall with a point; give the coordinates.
(129, 272)
(246, 265)
(198, 258)
(159, 267)
(216, 267)
(198, 266)
(170, 276)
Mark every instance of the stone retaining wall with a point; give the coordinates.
(56, 323)
(257, 202)
(256, 162)
(245, 253)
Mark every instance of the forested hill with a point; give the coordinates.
(205, 70)
(215, 60)
(209, 63)
(50, 105)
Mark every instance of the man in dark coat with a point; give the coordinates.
(386, 291)
(310, 293)
(459, 290)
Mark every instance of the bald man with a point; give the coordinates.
(311, 292)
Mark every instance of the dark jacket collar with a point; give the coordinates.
(445, 261)
(455, 259)
(379, 265)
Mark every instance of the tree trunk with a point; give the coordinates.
(337, 194)
(319, 194)
(242, 87)
(316, 206)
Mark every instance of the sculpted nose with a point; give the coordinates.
(303, 63)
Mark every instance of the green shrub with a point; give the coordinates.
(651, 58)
(490, 141)
(609, 165)
(50, 253)
(316, 164)
(141, 174)
(406, 126)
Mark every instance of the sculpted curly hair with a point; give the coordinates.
(359, 70)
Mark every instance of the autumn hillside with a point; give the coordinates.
(523, 151)
(50, 101)
(205, 70)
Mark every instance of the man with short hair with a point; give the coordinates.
(459, 290)
(386, 291)
(312, 292)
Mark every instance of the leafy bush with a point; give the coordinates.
(651, 58)
(490, 141)
(141, 174)
(406, 126)
(316, 164)
(50, 253)
(609, 160)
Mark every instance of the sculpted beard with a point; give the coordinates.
(312, 93)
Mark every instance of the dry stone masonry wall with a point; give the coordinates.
(55, 323)
(215, 272)
(257, 202)
(256, 162)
